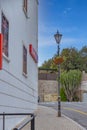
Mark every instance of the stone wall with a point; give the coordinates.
(47, 90)
(48, 86)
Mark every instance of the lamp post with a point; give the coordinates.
(58, 37)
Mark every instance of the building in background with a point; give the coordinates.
(19, 73)
(83, 90)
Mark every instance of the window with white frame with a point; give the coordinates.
(24, 60)
(5, 32)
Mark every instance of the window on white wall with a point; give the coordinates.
(5, 32)
(24, 60)
(25, 6)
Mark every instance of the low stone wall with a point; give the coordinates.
(50, 97)
(47, 90)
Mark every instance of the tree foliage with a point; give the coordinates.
(47, 64)
(70, 81)
(73, 59)
(62, 94)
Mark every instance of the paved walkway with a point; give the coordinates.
(47, 119)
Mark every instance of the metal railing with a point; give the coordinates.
(22, 125)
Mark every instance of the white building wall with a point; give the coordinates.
(17, 92)
(84, 91)
(84, 85)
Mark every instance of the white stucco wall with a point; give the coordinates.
(84, 91)
(17, 92)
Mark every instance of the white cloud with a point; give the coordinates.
(70, 40)
(67, 10)
(46, 41)
(46, 36)
(66, 41)
(50, 43)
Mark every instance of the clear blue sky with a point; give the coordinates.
(69, 17)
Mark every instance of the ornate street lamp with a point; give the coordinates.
(58, 37)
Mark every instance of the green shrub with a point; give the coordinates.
(62, 94)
